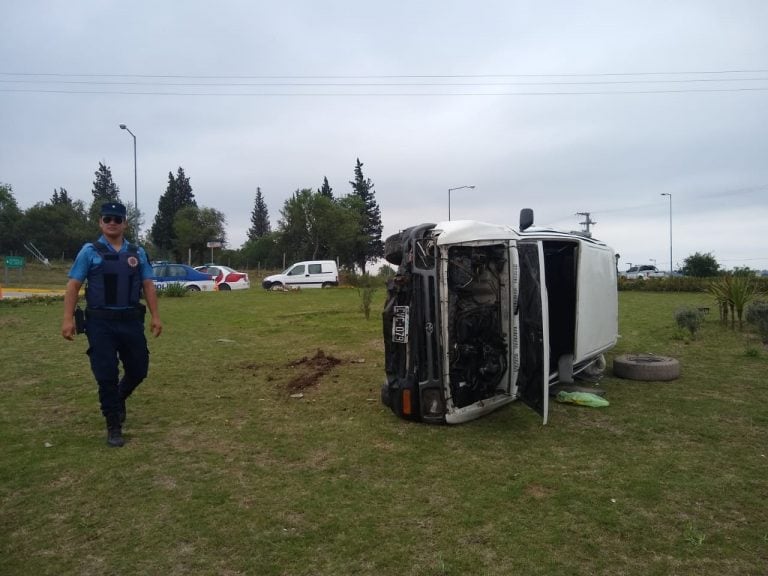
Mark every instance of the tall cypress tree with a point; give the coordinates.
(177, 195)
(370, 221)
(259, 218)
(104, 190)
(325, 189)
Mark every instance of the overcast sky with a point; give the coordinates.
(563, 107)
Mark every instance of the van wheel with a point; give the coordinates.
(193, 288)
(224, 288)
(393, 249)
(647, 367)
(327, 285)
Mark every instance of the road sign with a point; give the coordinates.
(213, 244)
(14, 261)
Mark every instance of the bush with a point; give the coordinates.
(688, 318)
(173, 290)
(757, 315)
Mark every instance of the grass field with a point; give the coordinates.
(227, 471)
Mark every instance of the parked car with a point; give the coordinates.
(308, 274)
(182, 274)
(226, 278)
(642, 272)
(480, 315)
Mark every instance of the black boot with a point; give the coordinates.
(114, 431)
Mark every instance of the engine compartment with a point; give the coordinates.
(477, 343)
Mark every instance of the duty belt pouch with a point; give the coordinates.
(79, 321)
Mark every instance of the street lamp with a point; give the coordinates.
(135, 186)
(449, 197)
(670, 231)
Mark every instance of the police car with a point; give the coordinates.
(193, 280)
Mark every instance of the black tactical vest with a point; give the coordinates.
(116, 282)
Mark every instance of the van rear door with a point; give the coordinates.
(533, 316)
(597, 307)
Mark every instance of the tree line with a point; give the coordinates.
(313, 224)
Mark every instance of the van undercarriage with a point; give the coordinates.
(478, 316)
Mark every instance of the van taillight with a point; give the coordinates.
(406, 402)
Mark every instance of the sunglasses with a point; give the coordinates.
(110, 219)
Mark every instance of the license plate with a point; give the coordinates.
(400, 325)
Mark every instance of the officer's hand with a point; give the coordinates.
(68, 329)
(156, 327)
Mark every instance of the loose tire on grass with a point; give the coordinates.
(648, 367)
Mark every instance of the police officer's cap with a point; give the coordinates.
(113, 209)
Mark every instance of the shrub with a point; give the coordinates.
(733, 293)
(757, 315)
(688, 318)
(173, 290)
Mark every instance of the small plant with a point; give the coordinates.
(693, 536)
(757, 315)
(751, 352)
(173, 290)
(688, 318)
(733, 294)
(366, 287)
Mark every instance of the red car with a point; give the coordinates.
(225, 277)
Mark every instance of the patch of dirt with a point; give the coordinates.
(536, 491)
(10, 322)
(312, 369)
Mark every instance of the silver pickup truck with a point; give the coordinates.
(642, 272)
(479, 315)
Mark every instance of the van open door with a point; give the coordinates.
(533, 318)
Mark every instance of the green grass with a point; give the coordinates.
(225, 473)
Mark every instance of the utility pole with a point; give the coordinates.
(587, 223)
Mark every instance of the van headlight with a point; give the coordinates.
(432, 402)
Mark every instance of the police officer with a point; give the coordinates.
(117, 272)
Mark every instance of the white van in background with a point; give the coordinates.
(308, 274)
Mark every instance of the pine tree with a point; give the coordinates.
(177, 195)
(10, 215)
(370, 221)
(325, 189)
(259, 218)
(104, 190)
(60, 197)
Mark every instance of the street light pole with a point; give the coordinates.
(135, 181)
(670, 230)
(449, 197)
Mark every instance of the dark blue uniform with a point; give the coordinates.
(115, 319)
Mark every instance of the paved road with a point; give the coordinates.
(16, 292)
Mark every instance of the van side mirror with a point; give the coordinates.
(526, 218)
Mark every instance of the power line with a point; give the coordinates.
(387, 76)
(383, 84)
(380, 94)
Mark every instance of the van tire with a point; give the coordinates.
(646, 367)
(224, 288)
(327, 285)
(393, 249)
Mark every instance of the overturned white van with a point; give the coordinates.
(479, 315)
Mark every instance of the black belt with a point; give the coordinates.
(128, 314)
